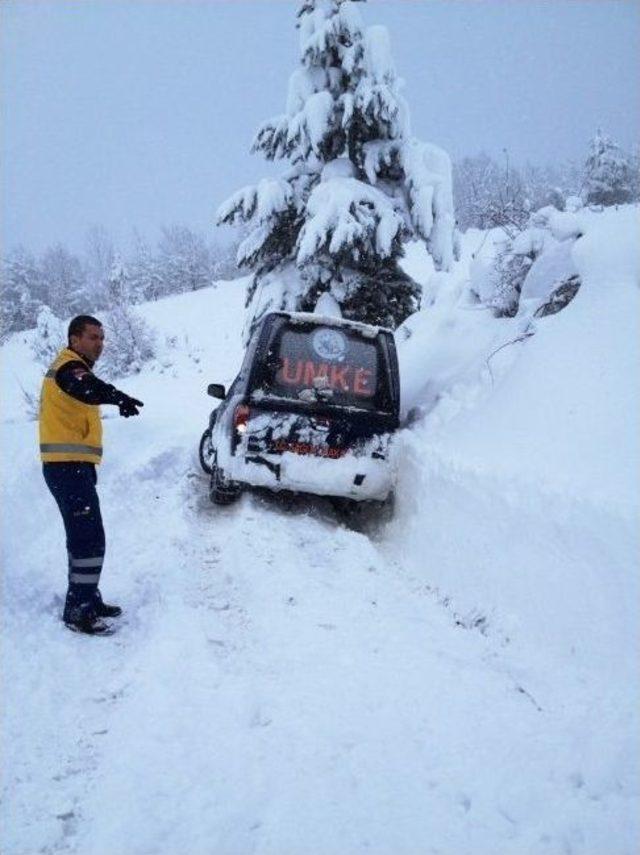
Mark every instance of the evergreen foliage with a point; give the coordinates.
(50, 337)
(66, 281)
(70, 284)
(99, 257)
(131, 341)
(608, 174)
(184, 261)
(357, 184)
(144, 270)
(21, 292)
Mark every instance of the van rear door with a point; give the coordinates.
(321, 390)
(332, 365)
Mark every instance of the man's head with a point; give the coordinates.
(86, 337)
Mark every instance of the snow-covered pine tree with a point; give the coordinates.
(21, 292)
(65, 282)
(99, 257)
(608, 174)
(50, 337)
(635, 172)
(184, 261)
(130, 342)
(358, 184)
(117, 285)
(145, 278)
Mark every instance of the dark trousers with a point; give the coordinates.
(73, 486)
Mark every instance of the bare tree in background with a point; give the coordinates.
(99, 258)
(22, 291)
(488, 194)
(65, 281)
(184, 260)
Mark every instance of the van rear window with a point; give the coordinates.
(327, 364)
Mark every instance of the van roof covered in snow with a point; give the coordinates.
(366, 330)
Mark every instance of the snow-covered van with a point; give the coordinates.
(312, 410)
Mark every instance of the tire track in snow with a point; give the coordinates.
(282, 679)
(284, 694)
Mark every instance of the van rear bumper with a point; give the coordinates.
(359, 477)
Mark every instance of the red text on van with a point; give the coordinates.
(301, 373)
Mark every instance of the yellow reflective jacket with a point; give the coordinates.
(69, 429)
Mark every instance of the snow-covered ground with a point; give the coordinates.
(462, 679)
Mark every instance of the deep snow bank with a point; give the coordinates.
(518, 493)
(518, 499)
(559, 409)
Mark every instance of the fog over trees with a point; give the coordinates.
(104, 275)
(357, 187)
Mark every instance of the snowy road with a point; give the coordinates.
(283, 684)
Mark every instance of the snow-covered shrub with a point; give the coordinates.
(560, 297)
(129, 342)
(608, 174)
(20, 292)
(499, 268)
(488, 194)
(99, 258)
(534, 271)
(67, 290)
(31, 402)
(635, 173)
(145, 279)
(184, 260)
(511, 271)
(118, 285)
(562, 225)
(49, 338)
(357, 187)
(552, 280)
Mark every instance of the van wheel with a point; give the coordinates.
(206, 453)
(221, 490)
(367, 514)
(385, 510)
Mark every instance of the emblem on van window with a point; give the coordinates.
(329, 344)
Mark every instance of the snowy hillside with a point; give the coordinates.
(462, 679)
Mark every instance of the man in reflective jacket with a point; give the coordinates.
(70, 448)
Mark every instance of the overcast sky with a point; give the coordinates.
(135, 113)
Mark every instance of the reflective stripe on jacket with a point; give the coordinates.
(69, 429)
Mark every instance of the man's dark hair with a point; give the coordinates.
(77, 325)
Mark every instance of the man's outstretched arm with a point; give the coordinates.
(76, 380)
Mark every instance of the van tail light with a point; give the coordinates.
(240, 418)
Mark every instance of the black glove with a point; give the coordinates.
(128, 406)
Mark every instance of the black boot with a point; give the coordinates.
(83, 618)
(103, 609)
